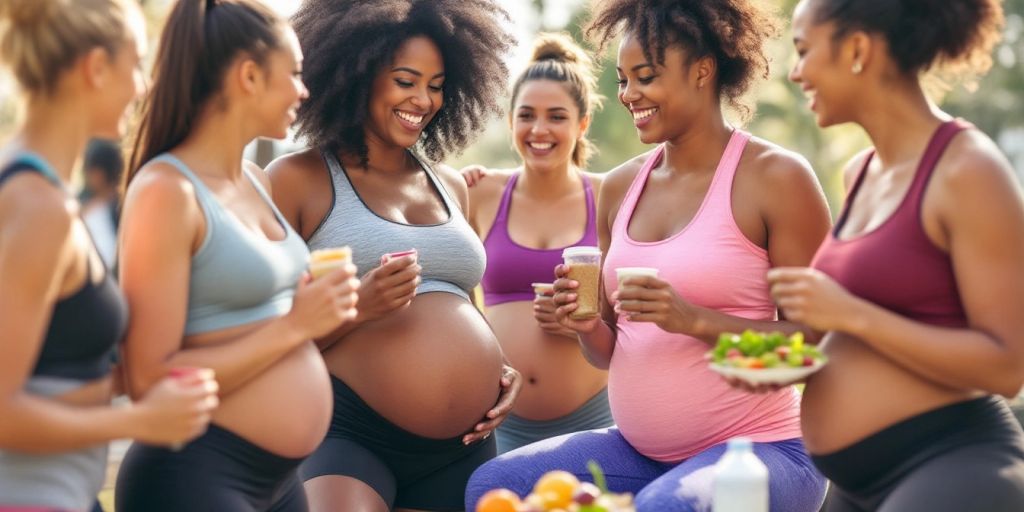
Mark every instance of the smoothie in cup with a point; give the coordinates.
(585, 268)
(323, 261)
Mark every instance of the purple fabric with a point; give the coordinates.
(512, 268)
(794, 484)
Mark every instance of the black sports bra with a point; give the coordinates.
(86, 326)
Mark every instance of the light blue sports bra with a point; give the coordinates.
(238, 276)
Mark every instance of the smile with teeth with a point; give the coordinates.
(410, 118)
(640, 115)
(541, 145)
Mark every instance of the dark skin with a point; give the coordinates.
(777, 203)
(395, 187)
(971, 210)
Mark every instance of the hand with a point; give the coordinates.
(565, 299)
(811, 297)
(649, 299)
(388, 288)
(473, 174)
(544, 311)
(177, 409)
(320, 306)
(759, 388)
(511, 384)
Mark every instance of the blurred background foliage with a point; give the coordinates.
(996, 106)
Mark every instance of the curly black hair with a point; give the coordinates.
(958, 34)
(733, 32)
(347, 42)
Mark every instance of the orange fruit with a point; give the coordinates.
(498, 500)
(557, 488)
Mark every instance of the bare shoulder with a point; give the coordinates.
(776, 167)
(492, 184)
(296, 167)
(973, 163)
(31, 205)
(159, 185)
(454, 183)
(621, 177)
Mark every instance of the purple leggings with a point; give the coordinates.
(794, 484)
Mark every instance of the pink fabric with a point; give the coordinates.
(667, 402)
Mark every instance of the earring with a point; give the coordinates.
(857, 68)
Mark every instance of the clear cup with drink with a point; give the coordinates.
(585, 268)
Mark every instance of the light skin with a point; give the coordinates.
(270, 364)
(407, 94)
(777, 203)
(46, 256)
(971, 210)
(549, 212)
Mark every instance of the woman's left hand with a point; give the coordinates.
(649, 299)
(810, 297)
(511, 384)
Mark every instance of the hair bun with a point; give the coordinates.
(559, 47)
(27, 12)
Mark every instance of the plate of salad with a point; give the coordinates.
(759, 358)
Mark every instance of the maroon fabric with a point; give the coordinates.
(895, 265)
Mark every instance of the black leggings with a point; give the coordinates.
(406, 470)
(218, 472)
(964, 457)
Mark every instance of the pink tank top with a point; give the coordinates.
(666, 401)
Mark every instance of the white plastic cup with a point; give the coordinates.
(324, 261)
(585, 268)
(542, 289)
(623, 273)
(740, 480)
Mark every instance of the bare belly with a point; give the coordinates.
(92, 393)
(860, 392)
(433, 368)
(557, 380)
(286, 409)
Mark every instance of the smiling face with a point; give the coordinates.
(663, 99)
(283, 90)
(820, 70)
(126, 81)
(546, 125)
(407, 94)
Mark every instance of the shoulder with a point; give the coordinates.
(616, 181)
(453, 182)
(778, 168)
(973, 163)
(30, 204)
(296, 167)
(492, 184)
(159, 185)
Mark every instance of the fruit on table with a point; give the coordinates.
(764, 350)
(559, 491)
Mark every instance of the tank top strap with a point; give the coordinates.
(343, 189)
(635, 189)
(719, 195)
(857, 181)
(933, 152)
(454, 211)
(265, 196)
(32, 162)
(506, 200)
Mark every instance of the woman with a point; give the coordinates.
(61, 313)
(919, 285)
(712, 209)
(419, 369)
(552, 103)
(216, 286)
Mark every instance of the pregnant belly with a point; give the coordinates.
(433, 369)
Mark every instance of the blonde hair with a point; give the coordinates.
(39, 39)
(558, 58)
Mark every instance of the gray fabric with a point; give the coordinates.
(238, 276)
(65, 481)
(515, 432)
(450, 253)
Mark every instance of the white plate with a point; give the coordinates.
(755, 376)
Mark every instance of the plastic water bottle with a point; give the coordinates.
(741, 480)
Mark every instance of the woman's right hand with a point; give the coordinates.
(565, 298)
(388, 288)
(321, 305)
(177, 409)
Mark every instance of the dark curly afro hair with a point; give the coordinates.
(347, 42)
(733, 32)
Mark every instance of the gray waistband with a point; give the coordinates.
(65, 481)
(516, 431)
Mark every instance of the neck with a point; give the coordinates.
(899, 121)
(385, 158)
(216, 144)
(700, 148)
(550, 183)
(58, 130)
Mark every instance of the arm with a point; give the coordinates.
(36, 249)
(978, 209)
(155, 267)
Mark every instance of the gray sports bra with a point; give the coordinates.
(450, 253)
(238, 276)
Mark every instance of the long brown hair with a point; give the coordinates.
(200, 40)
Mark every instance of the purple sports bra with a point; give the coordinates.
(511, 268)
